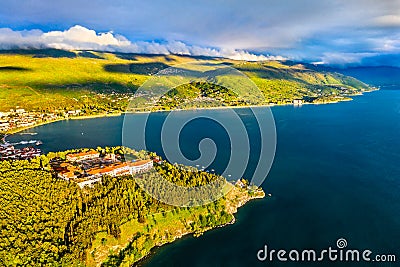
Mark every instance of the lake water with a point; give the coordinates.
(336, 174)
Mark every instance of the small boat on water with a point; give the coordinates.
(28, 133)
(38, 143)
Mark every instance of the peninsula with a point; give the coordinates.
(50, 220)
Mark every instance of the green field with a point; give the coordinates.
(96, 82)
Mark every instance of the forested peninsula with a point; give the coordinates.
(47, 221)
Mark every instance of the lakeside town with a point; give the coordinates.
(19, 118)
(10, 152)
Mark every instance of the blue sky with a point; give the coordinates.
(342, 32)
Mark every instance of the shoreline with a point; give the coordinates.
(235, 107)
(85, 117)
(194, 234)
(15, 131)
(344, 98)
(98, 255)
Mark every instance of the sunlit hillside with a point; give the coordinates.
(51, 80)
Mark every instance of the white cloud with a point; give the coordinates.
(10, 39)
(343, 59)
(387, 45)
(388, 21)
(81, 38)
(244, 55)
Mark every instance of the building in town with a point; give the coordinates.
(83, 156)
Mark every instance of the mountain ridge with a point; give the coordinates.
(52, 80)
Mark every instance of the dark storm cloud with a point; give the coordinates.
(330, 31)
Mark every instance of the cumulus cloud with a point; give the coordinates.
(81, 38)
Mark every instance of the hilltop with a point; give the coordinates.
(101, 82)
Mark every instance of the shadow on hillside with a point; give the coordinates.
(40, 53)
(136, 68)
(152, 68)
(166, 58)
(13, 68)
(273, 73)
(95, 87)
(88, 54)
(135, 56)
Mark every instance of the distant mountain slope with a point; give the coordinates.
(374, 75)
(283, 81)
(95, 82)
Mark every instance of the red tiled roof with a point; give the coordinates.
(82, 154)
(116, 166)
(140, 162)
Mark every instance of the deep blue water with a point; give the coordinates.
(336, 175)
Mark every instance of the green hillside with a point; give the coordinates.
(96, 82)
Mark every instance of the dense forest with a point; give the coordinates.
(46, 221)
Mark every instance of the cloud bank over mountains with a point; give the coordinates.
(334, 32)
(81, 38)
